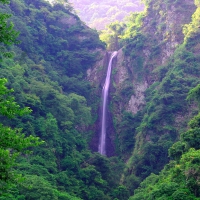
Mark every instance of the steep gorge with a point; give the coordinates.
(138, 71)
(59, 72)
(148, 110)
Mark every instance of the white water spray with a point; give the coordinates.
(102, 142)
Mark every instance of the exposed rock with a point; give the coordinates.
(137, 100)
(121, 78)
(133, 74)
(71, 20)
(95, 74)
(121, 70)
(164, 25)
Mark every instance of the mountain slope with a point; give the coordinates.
(58, 71)
(48, 75)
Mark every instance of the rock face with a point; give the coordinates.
(96, 74)
(133, 75)
(137, 100)
(125, 83)
(163, 24)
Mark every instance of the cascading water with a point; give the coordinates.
(102, 142)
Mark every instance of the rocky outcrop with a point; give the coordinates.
(124, 80)
(133, 75)
(137, 100)
(164, 23)
(96, 73)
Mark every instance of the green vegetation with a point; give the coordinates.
(180, 178)
(111, 36)
(152, 131)
(191, 30)
(13, 141)
(47, 73)
(8, 34)
(166, 112)
(123, 34)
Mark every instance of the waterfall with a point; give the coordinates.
(102, 142)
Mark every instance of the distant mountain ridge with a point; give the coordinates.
(98, 14)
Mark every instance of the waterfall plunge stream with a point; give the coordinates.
(102, 142)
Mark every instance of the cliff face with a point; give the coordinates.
(161, 34)
(163, 74)
(164, 23)
(149, 85)
(162, 28)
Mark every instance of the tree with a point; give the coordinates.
(112, 35)
(194, 94)
(13, 142)
(8, 35)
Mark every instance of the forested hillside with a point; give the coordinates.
(99, 14)
(47, 75)
(169, 108)
(52, 69)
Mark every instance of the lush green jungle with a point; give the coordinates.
(99, 14)
(48, 107)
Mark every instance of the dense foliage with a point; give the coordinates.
(13, 142)
(167, 111)
(47, 75)
(180, 178)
